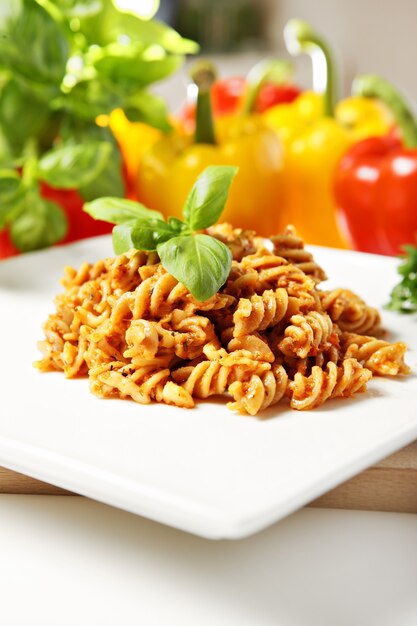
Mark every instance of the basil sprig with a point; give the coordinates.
(202, 263)
(64, 63)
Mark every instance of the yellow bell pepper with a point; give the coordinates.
(315, 135)
(364, 117)
(169, 167)
(134, 138)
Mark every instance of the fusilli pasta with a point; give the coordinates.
(268, 335)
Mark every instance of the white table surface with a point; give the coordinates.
(68, 561)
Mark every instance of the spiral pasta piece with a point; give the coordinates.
(240, 242)
(381, 357)
(312, 391)
(351, 378)
(262, 311)
(206, 379)
(255, 345)
(291, 248)
(110, 382)
(306, 335)
(259, 392)
(309, 392)
(350, 312)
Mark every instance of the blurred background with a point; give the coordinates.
(378, 36)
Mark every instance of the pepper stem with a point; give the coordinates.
(372, 86)
(203, 75)
(277, 71)
(300, 38)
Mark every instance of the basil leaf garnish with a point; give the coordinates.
(206, 200)
(122, 237)
(147, 234)
(142, 234)
(199, 262)
(119, 210)
(202, 263)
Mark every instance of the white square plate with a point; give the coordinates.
(206, 470)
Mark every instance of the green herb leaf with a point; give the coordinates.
(70, 167)
(147, 108)
(147, 234)
(11, 196)
(41, 225)
(199, 262)
(110, 23)
(404, 295)
(208, 196)
(122, 237)
(109, 182)
(119, 210)
(176, 225)
(18, 120)
(79, 8)
(88, 99)
(32, 43)
(202, 263)
(130, 70)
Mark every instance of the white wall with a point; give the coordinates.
(370, 36)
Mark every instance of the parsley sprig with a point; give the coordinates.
(404, 295)
(199, 261)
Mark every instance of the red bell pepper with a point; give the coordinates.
(7, 248)
(266, 85)
(376, 180)
(271, 94)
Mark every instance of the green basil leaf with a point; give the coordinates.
(176, 225)
(155, 31)
(6, 156)
(41, 225)
(147, 234)
(111, 23)
(18, 120)
(74, 130)
(109, 181)
(70, 167)
(10, 186)
(200, 262)
(79, 8)
(122, 237)
(150, 109)
(130, 70)
(208, 196)
(88, 99)
(119, 210)
(32, 43)
(11, 196)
